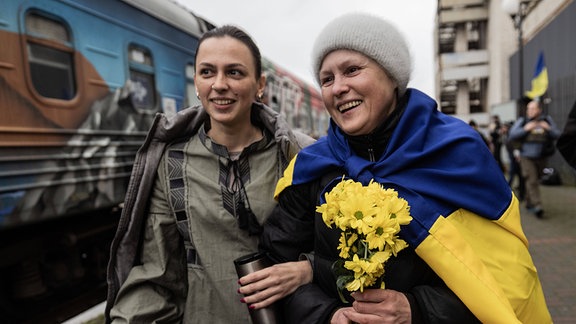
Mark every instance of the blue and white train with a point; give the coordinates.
(80, 82)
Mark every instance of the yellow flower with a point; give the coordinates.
(397, 246)
(357, 284)
(329, 210)
(380, 257)
(357, 265)
(362, 270)
(346, 244)
(384, 230)
(369, 218)
(357, 211)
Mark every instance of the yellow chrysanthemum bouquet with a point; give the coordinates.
(369, 218)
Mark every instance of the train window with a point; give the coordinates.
(191, 98)
(142, 77)
(40, 26)
(50, 56)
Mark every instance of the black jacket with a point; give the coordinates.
(295, 228)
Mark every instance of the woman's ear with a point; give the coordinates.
(261, 86)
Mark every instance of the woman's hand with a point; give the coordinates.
(340, 318)
(264, 287)
(376, 306)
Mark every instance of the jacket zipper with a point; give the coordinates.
(371, 154)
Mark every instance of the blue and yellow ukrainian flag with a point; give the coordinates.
(540, 79)
(466, 220)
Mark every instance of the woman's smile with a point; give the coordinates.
(349, 105)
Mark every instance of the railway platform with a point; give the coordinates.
(552, 242)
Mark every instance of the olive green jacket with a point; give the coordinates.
(139, 281)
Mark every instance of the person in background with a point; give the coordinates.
(496, 140)
(566, 143)
(200, 189)
(474, 125)
(467, 259)
(514, 169)
(532, 132)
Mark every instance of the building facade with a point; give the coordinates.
(486, 55)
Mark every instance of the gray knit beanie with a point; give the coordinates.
(371, 36)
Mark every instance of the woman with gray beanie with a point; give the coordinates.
(467, 259)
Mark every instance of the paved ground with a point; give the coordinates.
(553, 247)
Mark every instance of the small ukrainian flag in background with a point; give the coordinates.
(539, 80)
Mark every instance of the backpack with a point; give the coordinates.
(549, 146)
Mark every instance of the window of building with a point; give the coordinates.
(448, 92)
(476, 31)
(446, 38)
(143, 85)
(477, 95)
(50, 57)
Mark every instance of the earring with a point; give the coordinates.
(260, 95)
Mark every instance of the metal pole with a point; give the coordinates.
(520, 51)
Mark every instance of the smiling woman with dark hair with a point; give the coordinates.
(199, 193)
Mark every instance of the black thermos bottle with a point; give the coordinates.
(248, 264)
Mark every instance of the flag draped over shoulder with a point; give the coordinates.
(466, 221)
(540, 79)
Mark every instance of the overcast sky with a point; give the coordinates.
(285, 30)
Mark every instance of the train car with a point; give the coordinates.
(300, 103)
(80, 83)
